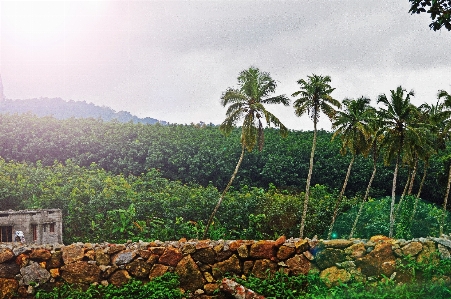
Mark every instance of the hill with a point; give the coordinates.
(61, 109)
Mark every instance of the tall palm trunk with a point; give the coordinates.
(373, 175)
(414, 174)
(445, 202)
(415, 205)
(224, 193)
(340, 197)
(404, 191)
(393, 198)
(307, 187)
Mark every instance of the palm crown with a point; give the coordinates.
(248, 102)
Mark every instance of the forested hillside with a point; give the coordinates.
(61, 109)
(200, 154)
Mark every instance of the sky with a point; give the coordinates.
(171, 60)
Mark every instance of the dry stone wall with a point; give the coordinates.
(202, 264)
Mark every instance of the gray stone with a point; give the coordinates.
(34, 273)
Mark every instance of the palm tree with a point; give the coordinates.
(314, 98)
(396, 120)
(375, 143)
(247, 102)
(447, 103)
(352, 125)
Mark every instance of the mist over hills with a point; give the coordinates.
(62, 109)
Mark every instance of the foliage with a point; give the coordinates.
(163, 287)
(375, 216)
(440, 11)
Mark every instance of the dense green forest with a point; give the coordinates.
(135, 181)
(200, 154)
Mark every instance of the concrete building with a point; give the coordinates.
(38, 226)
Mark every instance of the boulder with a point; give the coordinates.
(264, 268)
(379, 261)
(243, 251)
(171, 257)
(72, 253)
(101, 257)
(8, 288)
(119, 278)
(40, 255)
(333, 276)
(157, 270)
(285, 252)
(356, 250)
(263, 250)
(328, 257)
(190, 276)
(204, 255)
(9, 270)
(298, 264)
(231, 265)
(6, 254)
(80, 272)
(336, 243)
(55, 260)
(123, 257)
(139, 268)
(34, 273)
(412, 248)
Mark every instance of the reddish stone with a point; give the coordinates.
(211, 288)
(5, 255)
(72, 253)
(22, 259)
(233, 246)
(8, 287)
(55, 260)
(145, 254)
(190, 276)
(203, 244)
(102, 258)
(115, 248)
(119, 278)
(90, 254)
(231, 265)
(298, 264)
(285, 252)
(261, 268)
(263, 250)
(379, 261)
(302, 245)
(139, 268)
(158, 270)
(9, 270)
(157, 250)
(80, 272)
(205, 255)
(171, 257)
(247, 267)
(40, 255)
(153, 258)
(280, 241)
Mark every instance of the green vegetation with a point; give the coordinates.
(163, 287)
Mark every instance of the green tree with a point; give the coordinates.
(440, 11)
(353, 127)
(314, 98)
(247, 101)
(396, 117)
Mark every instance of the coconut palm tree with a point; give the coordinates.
(314, 98)
(247, 103)
(446, 135)
(353, 126)
(397, 118)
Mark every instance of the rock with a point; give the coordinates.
(153, 259)
(243, 252)
(412, 248)
(9, 270)
(101, 257)
(115, 248)
(157, 250)
(211, 288)
(379, 261)
(247, 267)
(8, 287)
(264, 268)
(158, 270)
(444, 242)
(356, 250)
(208, 277)
(444, 252)
(285, 252)
(333, 276)
(280, 241)
(298, 264)
(119, 278)
(328, 257)
(80, 272)
(6, 254)
(139, 268)
(123, 257)
(171, 257)
(231, 265)
(188, 248)
(308, 255)
(190, 276)
(302, 245)
(381, 239)
(145, 254)
(34, 273)
(40, 255)
(238, 291)
(55, 272)
(205, 255)
(337, 243)
(72, 253)
(263, 250)
(22, 260)
(55, 260)
(428, 254)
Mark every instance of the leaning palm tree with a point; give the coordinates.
(447, 103)
(314, 98)
(353, 126)
(397, 118)
(247, 102)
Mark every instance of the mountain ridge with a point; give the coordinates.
(62, 109)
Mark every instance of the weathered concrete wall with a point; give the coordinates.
(46, 224)
(201, 264)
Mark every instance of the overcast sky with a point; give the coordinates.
(171, 60)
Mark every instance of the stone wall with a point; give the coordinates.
(201, 264)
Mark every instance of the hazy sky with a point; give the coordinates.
(171, 60)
